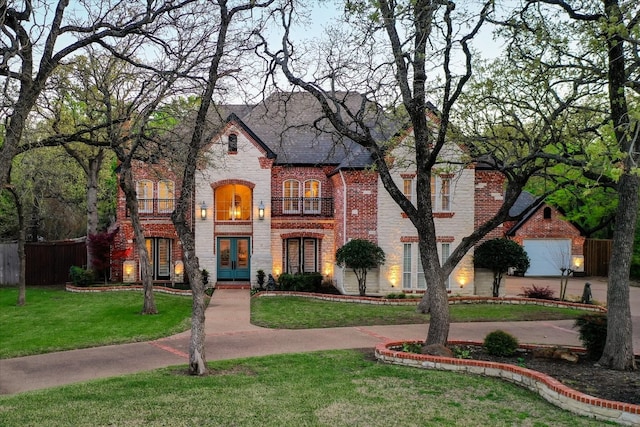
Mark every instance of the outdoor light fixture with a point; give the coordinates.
(129, 270)
(261, 210)
(178, 271)
(203, 210)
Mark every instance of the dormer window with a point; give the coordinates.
(546, 213)
(233, 143)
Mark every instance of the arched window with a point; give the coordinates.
(546, 214)
(144, 191)
(291, 196)
(312, 196)
(166, 196)
(233, 203)
(233, 143)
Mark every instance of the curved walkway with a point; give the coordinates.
(231, 335)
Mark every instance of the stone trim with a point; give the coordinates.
(452, 300)
(94, 289)
(547, 387)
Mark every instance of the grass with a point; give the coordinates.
(54, 320)
(332, 388)
(303, 313)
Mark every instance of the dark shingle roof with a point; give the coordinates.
(293, 127)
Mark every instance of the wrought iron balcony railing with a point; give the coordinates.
(302, 206)
(155, 207)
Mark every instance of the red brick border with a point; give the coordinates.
(547, 387)
(452, 300)
(91, 289)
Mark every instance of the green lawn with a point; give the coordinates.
(333, 388)
(55, 320)
(302, 313)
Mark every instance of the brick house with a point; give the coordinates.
(280, 193)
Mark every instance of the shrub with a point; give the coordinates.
(593, 333)
(260, 276)
(80, 277)
(500, 343)
(401, 295)
(306, 282)
(538, 292)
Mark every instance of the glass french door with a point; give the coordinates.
(233, 258)
(159, 251)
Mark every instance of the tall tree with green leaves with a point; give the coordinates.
(600, 41)
(410, 63)
(37, 36)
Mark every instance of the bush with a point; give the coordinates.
(593, 333)
(500, 343)
(538, 292)
(306, 282)
(81, 277)
(401, 295)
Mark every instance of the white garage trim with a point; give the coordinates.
(547, 256)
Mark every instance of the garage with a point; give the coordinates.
(547, 256)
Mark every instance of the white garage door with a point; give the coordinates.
(547, 256)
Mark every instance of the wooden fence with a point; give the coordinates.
(597, 253)
(9, 264)
(48, 263)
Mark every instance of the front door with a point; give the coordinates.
(233, 258)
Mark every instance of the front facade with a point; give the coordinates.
(280, 197)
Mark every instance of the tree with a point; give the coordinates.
(34, 44)
(360, 255)
(604, 39)
(395, 55)
(499, 255)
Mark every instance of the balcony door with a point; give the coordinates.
(233, 258)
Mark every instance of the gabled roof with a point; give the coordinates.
(293, 127)
(233, 118)
(524, 201)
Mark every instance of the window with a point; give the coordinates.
(546, 214)
(422, 283)
(233, 203)
(291, 193)
(233, 143)
(312, 196)
(445, 194)
(444, 255)
(166, 196)
(415, 278)
(144, 191)
(440, 193)
(407, 189)
(406, 267)
(433, 193)
(301, 255)
(159, 251)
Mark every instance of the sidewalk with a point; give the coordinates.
(230, 335)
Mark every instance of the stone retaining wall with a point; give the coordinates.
(547, 387)
(452, 300)
(91, 289)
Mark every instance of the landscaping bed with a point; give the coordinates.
(584, 375)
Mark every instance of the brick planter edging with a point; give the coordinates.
(160, 289)
(547, 387)
(452, 300)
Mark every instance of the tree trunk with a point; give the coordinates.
(126, 183)
(22, 256)
(93, 170)
(618, 349)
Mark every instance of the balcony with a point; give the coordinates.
(155, 207)
(302, 206)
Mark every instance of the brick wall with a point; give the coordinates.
(489, 196)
